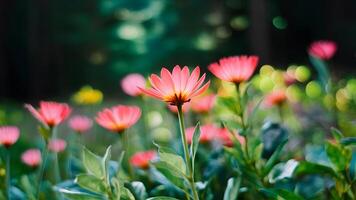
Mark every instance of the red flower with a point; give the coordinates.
(50, 113)
(276, 97)
(118, 118)
(225, 137)
(130, 84)
(142, 159)
(177, 87)
(234, 69)
(57, 145)
(9, 135)
(207, 133)
(322, 49)
(80, 123)
(203, 104)
(31, 157)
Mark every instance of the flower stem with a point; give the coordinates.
(126, 147)
(186, 152)
(42, 169)
(241, 115)
(8, 184)
(57, 174)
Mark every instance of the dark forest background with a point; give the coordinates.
(50, 48)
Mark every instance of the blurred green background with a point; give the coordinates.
(52, 48)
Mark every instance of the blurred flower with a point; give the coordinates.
(9, 135)
(289, 78)
(203, 104)
(177, 87)
(118, 118)
(224, 136)
(88, 96)
(80, 123)
(207, 133)
(57, 145)
(142, 159)
(50, 113)
(276, 97)
(185, 108)
(322, 49)
(31, 157)
(234, 69)
(131, 82)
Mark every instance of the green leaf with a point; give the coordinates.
(117, 187)
(75, 195)
(280, 194)
(252, 115)
(92, 163)
(305, 168)
(126, 194)
(139, 190)
(232, 188)
(105, 162)
(162, 198)
(338, 155)
(45, 132)
(195, 144)
(171, 173)
(336, 133)
(90, 183)
(275, 156)
(168, 156)
(348, 141)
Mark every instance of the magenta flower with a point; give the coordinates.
(32, 157)
(9, 135)
(50, 113)
(234, 69)
(80, 123)
(131, 83)
(118, 118)
(142, 159)
(322, 49)
(203, 104)
(57, 145)
(178, 87)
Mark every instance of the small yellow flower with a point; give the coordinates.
(88, 96)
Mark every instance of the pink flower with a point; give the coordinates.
(142, 159)
(234, 69)
(50, 113)
(118, 118)
(289, 78)
(322, 49)
(185, 108)
(178, 87)
(207, 133)
(57, 145)
(130, 84)
(276, 97)
(225, 137)
(80, 123)
(9, 135)
(31, 157)
(203, 104)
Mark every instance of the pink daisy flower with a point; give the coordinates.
(322, 49)
(9, 135)
(130, 84)
(80, 123)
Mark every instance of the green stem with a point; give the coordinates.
(126, 146)
(186, 152)
(147, 139)
(57, 175)
(241, 115)
(42, 169)
(8, 184)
